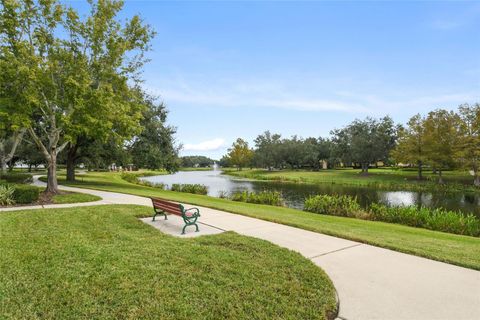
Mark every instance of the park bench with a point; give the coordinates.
(164, 207)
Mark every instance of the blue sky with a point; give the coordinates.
(235, 69)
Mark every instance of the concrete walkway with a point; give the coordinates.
(372, 283)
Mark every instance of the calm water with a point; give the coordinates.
(295, 194)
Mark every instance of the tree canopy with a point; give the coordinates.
(240, 154)
(411, 146)
(79, 77)
(365, 141)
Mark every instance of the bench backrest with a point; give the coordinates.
(167, 206)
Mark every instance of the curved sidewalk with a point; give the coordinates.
(372, 283)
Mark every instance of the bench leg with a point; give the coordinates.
(194, 224)
(159, 213)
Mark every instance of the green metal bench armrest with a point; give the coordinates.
(197, 212)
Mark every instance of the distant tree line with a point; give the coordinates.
(441, 140)
(359, 144)
(196, 161)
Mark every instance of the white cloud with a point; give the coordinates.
(243, 93)
(209, 145)
(275, 95)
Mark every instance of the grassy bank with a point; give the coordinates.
(106, 264)
(389, 179)
(74, 197)
(455, 249)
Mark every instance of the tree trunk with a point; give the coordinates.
(440, 178)
(6, 157)
(420, 167)
(3, 165)
(476, 178)
(71, 157)
(52, 183)
(364, 168)
(29, 168)
(476, 181)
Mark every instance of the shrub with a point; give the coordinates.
(344, 206)
(222, 194)
(135, 178)
(6, 195)
(17, 177)
(158, 185)
(25, 194)
(130, 177)
(190, 188)
(433, 219)
(272, 198)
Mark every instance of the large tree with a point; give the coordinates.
(441, 138)
(365, 142)
(468, 146)
(268, 150)
(411, 144)
(311, 153)
(154, 147)
(240, 154)
(294, 152)
(80, 72)
(114, 56)
(14, 91)
(325, 151)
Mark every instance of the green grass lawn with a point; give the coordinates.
(383, 178)
(101, 262)
(74, 197)
(455, 249)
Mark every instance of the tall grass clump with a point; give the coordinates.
(135, 178)
(130, 177)
(222, 194)
(6, 195)
(147, 183)
(344, 206)
(273, 198)
(433, 219)
(190, 188)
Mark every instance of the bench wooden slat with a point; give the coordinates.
(167, 207)
(171, 210)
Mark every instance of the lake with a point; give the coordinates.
(295, 194)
